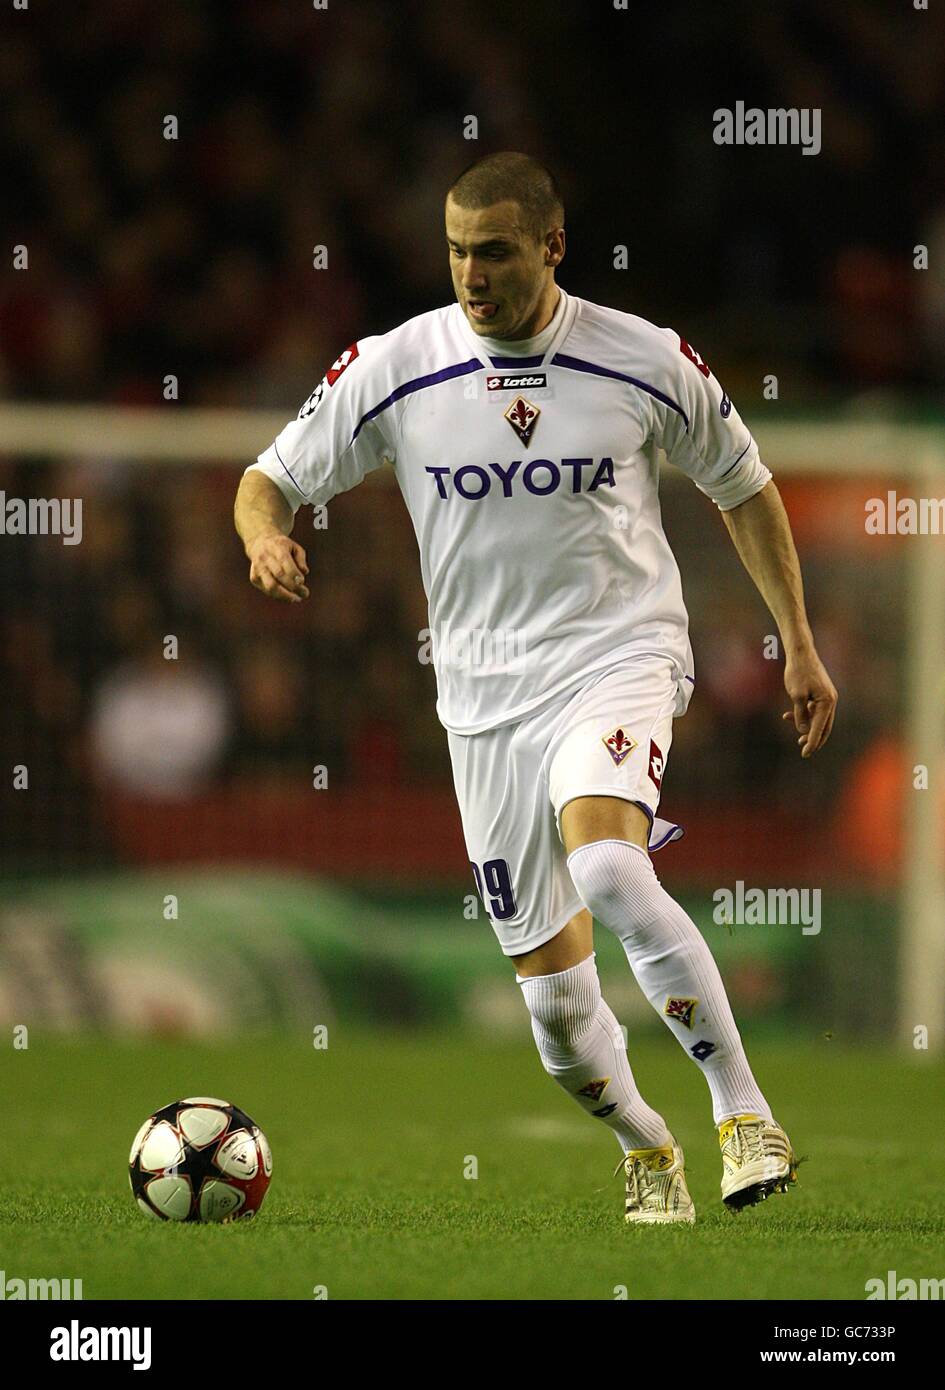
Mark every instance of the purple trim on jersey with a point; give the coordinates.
(578, 365)
(690, 678)
(418, 384)
(670, 834)
(668, 837)
(523, 362)
(280, 458)
(738, 460)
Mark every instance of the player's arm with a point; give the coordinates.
(328, 448)
(761, 533)
(264, 519)
(704, 435)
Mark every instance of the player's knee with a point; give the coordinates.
(615, 880)
(563, 1005)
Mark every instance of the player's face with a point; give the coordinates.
(503, 279)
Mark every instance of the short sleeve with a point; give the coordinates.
(702, 433)
(336, 438)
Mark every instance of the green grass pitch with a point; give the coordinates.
(371, 1140)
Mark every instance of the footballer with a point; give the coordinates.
(522, 424)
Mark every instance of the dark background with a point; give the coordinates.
(193, 257)
(344, 127)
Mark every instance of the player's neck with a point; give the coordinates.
(544, 316)
(546, 312)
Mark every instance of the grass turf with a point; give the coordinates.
(371, 1139)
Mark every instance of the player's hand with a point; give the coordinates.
(814, 699)
(277, 566)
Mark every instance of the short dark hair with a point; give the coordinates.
(519, 178)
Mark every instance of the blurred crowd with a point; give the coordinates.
(341, 127)
(142, 662)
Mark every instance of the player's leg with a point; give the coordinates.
(573, 943)
(668, 955)
(605, 837)
(605, 774)
(521, 872)
(579, 1039)
(582, 1048)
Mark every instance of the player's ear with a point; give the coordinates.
(555, 255)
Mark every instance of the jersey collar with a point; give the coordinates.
(493, 352)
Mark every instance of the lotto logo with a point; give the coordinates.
(656, 765)
(694, 357)
(339, 364)
(516, 383)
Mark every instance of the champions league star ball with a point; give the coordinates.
(200, 1159)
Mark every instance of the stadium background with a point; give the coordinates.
(193, 257)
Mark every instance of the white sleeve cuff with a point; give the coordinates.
(748, 476)
(269, 463)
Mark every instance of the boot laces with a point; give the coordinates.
(747, 1140)
(642, 1180)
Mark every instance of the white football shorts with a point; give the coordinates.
(607, 737)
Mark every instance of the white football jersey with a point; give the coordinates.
(529, 470)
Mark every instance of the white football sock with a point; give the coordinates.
(582, 1048)
(672, 964)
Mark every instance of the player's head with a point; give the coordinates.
(505, 233)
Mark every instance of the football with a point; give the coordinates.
(199, 1159)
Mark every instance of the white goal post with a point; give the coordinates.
(910, 454)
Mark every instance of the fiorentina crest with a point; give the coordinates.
(619, 744)
(680, 1009)
(595, 1089)
(523, 416)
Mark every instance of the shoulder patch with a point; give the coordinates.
(695, 358)
(340, 363)
(329, 379)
